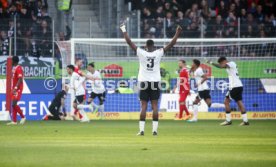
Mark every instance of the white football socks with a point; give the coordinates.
(84, 115)
(154, 126)
(101, 108)
(244, 117)
(142, 126)
(195, 111)
(228, 117)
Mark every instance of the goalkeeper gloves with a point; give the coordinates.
(123, 28)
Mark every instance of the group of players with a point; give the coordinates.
(79, 83)
(148, 82)
(149, 74)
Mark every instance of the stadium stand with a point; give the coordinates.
(220, 18)
(31, 23)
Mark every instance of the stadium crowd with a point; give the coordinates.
(33, 27)
(208, 18)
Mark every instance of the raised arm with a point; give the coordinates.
(218, 65)
(129, 42)
(173, 41)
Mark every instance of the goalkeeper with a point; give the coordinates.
(57, 107)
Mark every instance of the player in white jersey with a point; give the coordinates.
(97, 88)
(202, 88)
(235, 90)
(149, 76)
(76, 83)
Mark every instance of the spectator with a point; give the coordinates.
(4, 41)
(180, 18)
(239, 6)
(169, 25)
(249, 33)
(205, 11)
(251, 21)
(252, 9)
(222, 10)
(159, 12)
(38, 7)
(159, 28)
(268, 26)
(233, 9)
(65, 37)
(167, 7)
(175, 7)
(45, 39)
(12, 12)
(215, 29)
(243, 15)
(147, 14)
(193, 31)
(259, 16)
(45, 16)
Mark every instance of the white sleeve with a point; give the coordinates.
(98, 81)
(161, 52)
(72, 80)
(200, 73)
(139, 52)
(82, 79)
(231, 64)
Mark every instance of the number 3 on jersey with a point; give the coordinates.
(150, 64)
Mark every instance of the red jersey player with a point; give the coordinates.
(184, 90)
(79, 64)
(17, 88)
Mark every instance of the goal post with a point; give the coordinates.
(255, 57)
(8, 83)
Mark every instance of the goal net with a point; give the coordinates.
(119, 65)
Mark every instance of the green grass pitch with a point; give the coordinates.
(114, 143)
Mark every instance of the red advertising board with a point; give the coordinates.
(207, 69)
(113, 71)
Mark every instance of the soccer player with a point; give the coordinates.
(149, 76)
(235, 90)
(78, 65)
(203, 89)
(76, 83)
(98, 89)
(184, 90)
(57, 107)
(17, 88)
(77, 69)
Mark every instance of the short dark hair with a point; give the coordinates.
(221, 59)
(92, 64)
(15, 59)
(196, 62)
(71, 67)
(182, 60)
(77, 59)
(150, 43)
